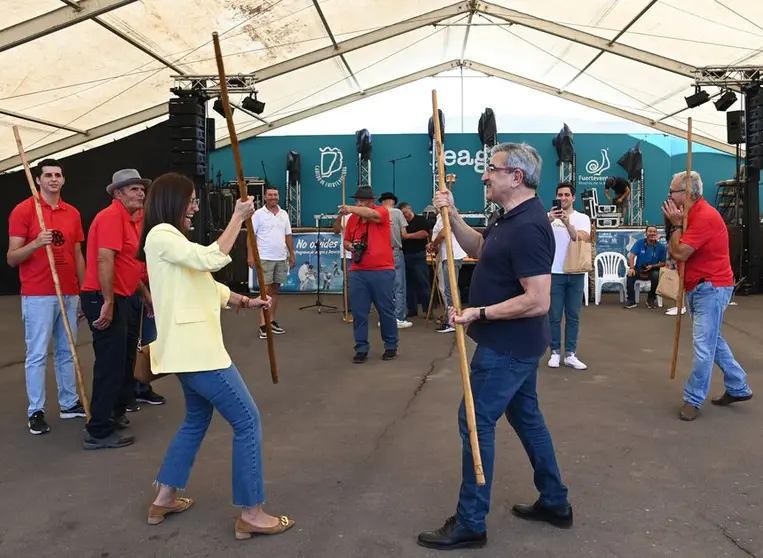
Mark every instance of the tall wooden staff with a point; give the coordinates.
(244, 196)
(54, 273)
(460, 336)
(682, 268)
(346, 317)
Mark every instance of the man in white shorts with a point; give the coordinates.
(276, 247)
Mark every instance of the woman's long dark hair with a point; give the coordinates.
(167, 202)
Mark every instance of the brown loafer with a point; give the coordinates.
(156, 514)
(728, 399)
(688, 412)
(245, 530)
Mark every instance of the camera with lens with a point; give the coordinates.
(358, 249)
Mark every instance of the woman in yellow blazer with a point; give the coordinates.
(189, 343)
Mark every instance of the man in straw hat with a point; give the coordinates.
(368, 237)
(113, 276)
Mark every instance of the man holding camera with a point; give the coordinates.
(367, 236)
(645, 259)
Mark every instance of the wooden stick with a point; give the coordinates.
(51, 261)
(460, 335)
(346, 317)
(244, 196)
(682, 267)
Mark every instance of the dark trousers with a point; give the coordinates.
(504, 385)
(114, 349)
(417, 282)
(652, 275)
(375, 287)
(149, 335)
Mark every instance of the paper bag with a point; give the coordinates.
(669, 284)
(579, 258)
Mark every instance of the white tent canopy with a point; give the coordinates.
(80, 73)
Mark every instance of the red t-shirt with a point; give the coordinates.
(66, 225)
(706, 232)
(115, 229)
(378, 255)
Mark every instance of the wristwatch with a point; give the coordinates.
(483, 317)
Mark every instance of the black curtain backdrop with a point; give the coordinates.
(87, 175)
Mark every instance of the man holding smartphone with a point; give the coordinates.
(566, 288)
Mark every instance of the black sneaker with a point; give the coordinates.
(120, 423)
(445, 328)
(277, 329)
(263, 333)
(360, 358)
(389, 354)
(630, 305)
(112, 441)
(73, 412)
(37, 424)
(134, 408)
(151, 397)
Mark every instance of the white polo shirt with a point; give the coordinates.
(271, 230)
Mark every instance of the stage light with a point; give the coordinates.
(700, 97)
(632, 162)
(253, 105)
(564, 145)
(725, 101)
(218, 108)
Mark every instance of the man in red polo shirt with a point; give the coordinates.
(709, 282)
(113, 276)
(368, 237)
(39, 304)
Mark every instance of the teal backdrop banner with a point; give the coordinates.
(325, 158)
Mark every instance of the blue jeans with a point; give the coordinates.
(504, 385)
(377, 287)
(148, 335)
(706, 305)
(400, 312)
(42, 321)
(446, 281)
(417, 282)
(225, 391)
(567, 298)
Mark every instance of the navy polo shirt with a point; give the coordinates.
(647, 254)
(518, 243)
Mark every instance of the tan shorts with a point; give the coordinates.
(275, 271)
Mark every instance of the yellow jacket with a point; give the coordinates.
(187, 302)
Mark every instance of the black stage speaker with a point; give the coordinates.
(735, 129)
(189, 150)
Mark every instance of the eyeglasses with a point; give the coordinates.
(195, 203)
(679, 191)
(492, 168)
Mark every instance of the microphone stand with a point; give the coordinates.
(318, 303)
(393, 161)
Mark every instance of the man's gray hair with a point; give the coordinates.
(524, 157)
(696, 182)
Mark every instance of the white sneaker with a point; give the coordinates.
(553, 362)
(402, 324)
(674, 311)
(573, 361)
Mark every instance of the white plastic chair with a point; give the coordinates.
(610, 268)
(648, 283)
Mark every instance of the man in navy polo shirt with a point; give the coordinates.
(510, 295)
(645, 259)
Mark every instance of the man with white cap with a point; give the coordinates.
(113, 275)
